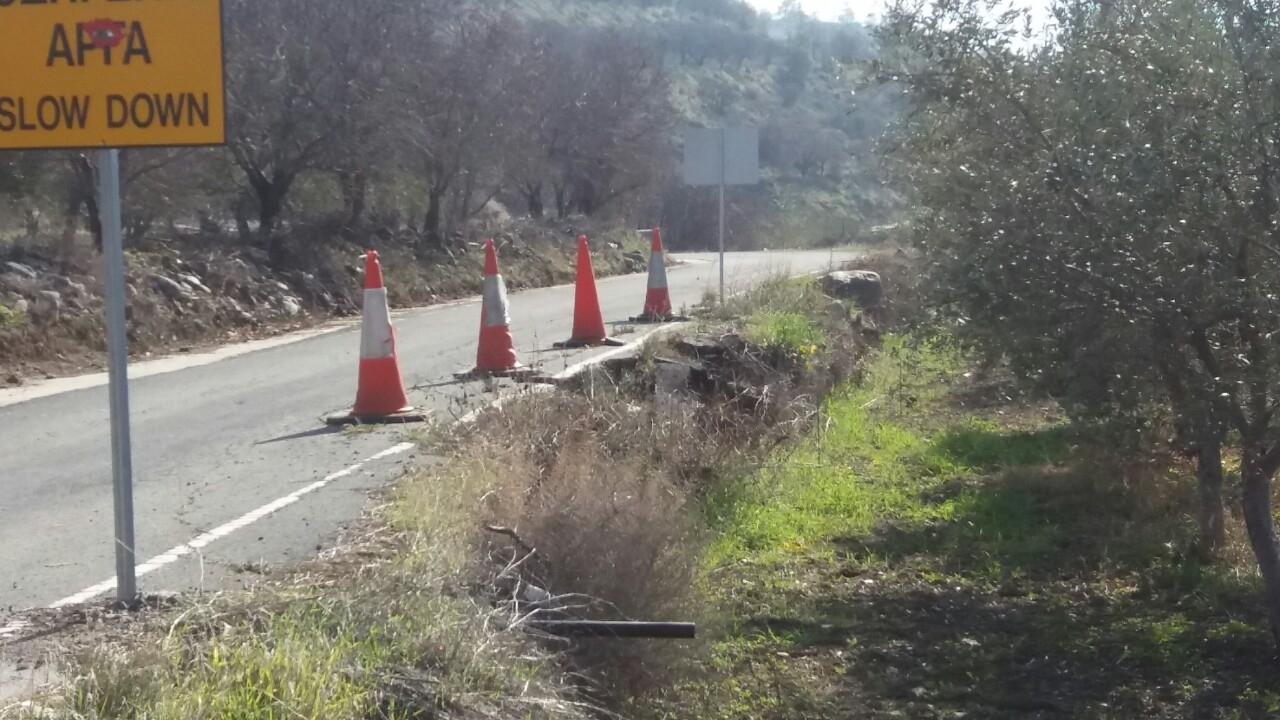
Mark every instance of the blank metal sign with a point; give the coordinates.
(741, 156)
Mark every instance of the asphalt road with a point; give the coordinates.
(234, 468)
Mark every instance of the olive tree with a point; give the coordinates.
(1100, 208)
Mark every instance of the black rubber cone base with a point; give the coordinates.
(578, 344)
(521, 372)
(658, 319)
(412, 416)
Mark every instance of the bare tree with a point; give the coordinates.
(458, 105)
(603, 125)
(302, 77)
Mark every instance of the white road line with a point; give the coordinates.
(253, 516)
(181, 551)
(216, 534)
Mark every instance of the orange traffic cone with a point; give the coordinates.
(496, 355)
(588, 321)
(380, 395)
(657, 301)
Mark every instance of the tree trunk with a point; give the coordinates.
(82, 194)
(533, 197)
(562, 201)
(1209, 475)
(242, 222)
(136, 228)
(1261, 525)
(587, 197)
(31, 220)
(95, 219)
(271, 194)
(464, 205)
(355, 188)
(431, 227)
(270, 206)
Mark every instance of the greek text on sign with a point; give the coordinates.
(110, 73)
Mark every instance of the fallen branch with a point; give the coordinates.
(508, 532)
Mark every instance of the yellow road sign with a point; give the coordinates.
(111, 73)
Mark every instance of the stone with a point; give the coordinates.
(635, 262)
(671, 395)
(861, 286)
(194, 282)
(168, 287)
(291, 306)
(25, 271)
(700, 347)
(21, 305)
(69, 285)
(46, 307)
(671, 376)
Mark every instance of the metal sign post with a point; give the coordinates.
(118, 371)
(722, 178)
(721, 157)
(105, 76)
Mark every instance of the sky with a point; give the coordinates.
(862, 9)
(828, 9)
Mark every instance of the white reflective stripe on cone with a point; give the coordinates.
(657, 271)
(376, 339)
(495, 302)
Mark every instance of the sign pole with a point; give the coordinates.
(110, 76)
(720, 157)
(722, 181)
(118, 370)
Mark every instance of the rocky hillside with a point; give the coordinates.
(192, 292)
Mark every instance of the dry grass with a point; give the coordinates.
(570, 504)
(602, 491)
(387, 627)
(608, 534)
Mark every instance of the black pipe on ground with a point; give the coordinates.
(612, 629)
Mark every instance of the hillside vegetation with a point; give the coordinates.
(425, 126)
(421, 114)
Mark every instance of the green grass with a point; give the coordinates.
(391, 639)
(979, 444)
(914, 558)
(390, 650)
(790, 331)
(856, 471)
(10, 318)
(909, 557)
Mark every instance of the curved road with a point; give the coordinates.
(233, 467)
